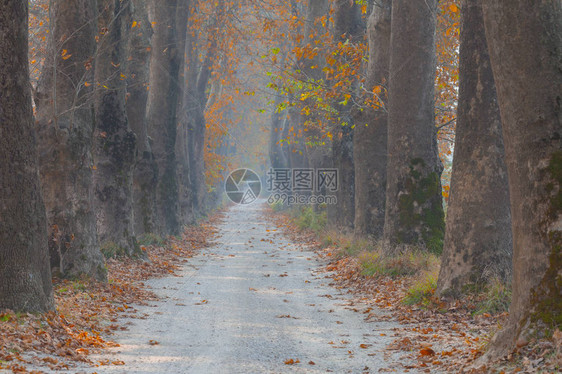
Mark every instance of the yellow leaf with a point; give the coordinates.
(87, 84)
(454, 8)
(134, 24)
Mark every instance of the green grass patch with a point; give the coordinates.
(306, 218)
(496, 298)
(422, 290)
(409, 263)
(151, 239)
(112, 250)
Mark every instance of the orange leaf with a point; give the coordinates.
(427, 352)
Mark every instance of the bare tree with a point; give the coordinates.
(165, 62)
(25, 275)
(414, 211)
(145, 175)
(65, 127)
(348, 27)
(114, 142)
(370, 138)
(525, 43)
(478, 243)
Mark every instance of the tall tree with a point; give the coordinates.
(478, 241)
(370, 138)
(525, 42)
(145, 175)
(348, 28)
(276, 152)
(65, 127)
(195, 101)
(25, 275)
(318, 150)
(414, 211)
(185, 198)
(163, 95)
(114, 142)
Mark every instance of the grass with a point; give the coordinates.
(151, 239)
(306, 218)
(422, 291)
(408, 263)
(418, 266)
(495, 298)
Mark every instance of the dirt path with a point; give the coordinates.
(248, 304)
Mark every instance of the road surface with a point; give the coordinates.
(248, 304)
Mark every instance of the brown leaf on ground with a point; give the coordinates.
(87, 311)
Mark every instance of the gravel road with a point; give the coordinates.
(247, 304)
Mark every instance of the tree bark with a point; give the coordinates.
(25, 275)
(414, 211)
(65, 128)
(525, 42)
(114, 142)
(145, 175)
(478, 243)
(276, 153)
(185, 195)
(348, 25)
(196, 98)
(161, 112)
(318, 147)
(370, 138)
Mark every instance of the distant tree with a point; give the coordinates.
(478, 243)
(277, 154)
(114, 142)
(414, 210)
(185, 193)
(370, 138)
(25, 275)
(525, 43)
(165, 63)
(145, 175)
(65, 124)
(196, 97)
(349, 27)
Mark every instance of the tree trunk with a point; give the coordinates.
(165, 64)
(195, 123)
(414, 211)
(25, 275)
(196, 98)
(145, 175)
(276, 153)
(114, 142)
(525, 43)
(185, 196)
(318, 147)
(348, 25)
(478, 243)
(65, 128)
(370, 138)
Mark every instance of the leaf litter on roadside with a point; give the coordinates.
(443, 336)
(87, 312)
